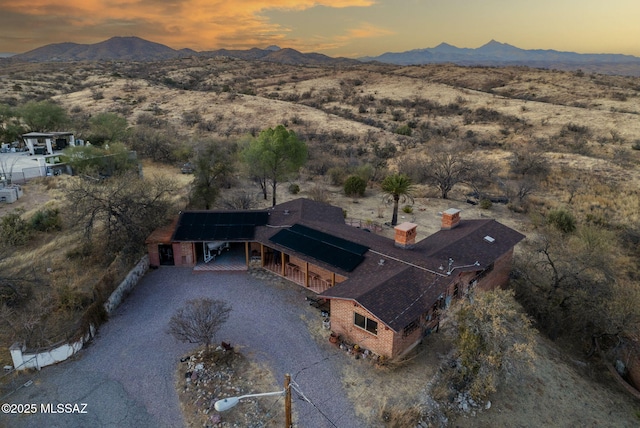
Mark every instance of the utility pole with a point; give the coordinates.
(287, 401)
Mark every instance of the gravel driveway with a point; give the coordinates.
(127, 374)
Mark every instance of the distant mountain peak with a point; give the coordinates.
(272, 48)
(495, 53)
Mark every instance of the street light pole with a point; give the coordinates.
(229, 402)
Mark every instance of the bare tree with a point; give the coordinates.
(122, 209)
(446, 167)
(199, 321)
(527, 162)
(241, 200)
(6, 168)
(571, 283)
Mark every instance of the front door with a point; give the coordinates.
(166, 255)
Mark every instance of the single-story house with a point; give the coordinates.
(385, 294)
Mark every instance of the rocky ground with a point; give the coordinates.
(205, 377)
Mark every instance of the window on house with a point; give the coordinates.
(410, 328)
(363, 322)
(485, 272)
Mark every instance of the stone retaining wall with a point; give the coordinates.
(23, 359)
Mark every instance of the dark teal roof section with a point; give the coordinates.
(218, 226)
(321, 246)
(341, 243)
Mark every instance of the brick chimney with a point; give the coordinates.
(450, 219)
(406, 235)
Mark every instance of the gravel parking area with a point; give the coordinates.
(126, 376)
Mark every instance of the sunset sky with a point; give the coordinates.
(351, 28)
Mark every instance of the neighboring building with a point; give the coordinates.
(385, 294)
(45, 143)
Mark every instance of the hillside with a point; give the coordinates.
(384, 117)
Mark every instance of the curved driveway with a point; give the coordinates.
(126, 376)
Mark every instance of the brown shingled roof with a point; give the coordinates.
(408, 281)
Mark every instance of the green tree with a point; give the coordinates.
(397, 187)
(10, 127)
(100, 161)
(108, 128)
(355, 186)
(43, 116)
(212, 167)
(274, 155)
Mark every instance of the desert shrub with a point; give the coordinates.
(147, 119)
(14, 230)
(337, 175)
(190, 118)
(636, 145)
(70, 298)
(366, 172)
(319, 194)
(493, 337)
(562, 220)
(485, 204)
(355, 186)
(397, 115)
(404, 130)
(46, 220)
(294, 189)
(398, 417)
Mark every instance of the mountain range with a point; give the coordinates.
(502, 54)
(137, 49)
(491, 54)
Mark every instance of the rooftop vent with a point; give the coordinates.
(286, 212)
(381, 262)
(489, 239)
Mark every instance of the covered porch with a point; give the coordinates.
(311, 276)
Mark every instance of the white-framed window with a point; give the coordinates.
(365, 323)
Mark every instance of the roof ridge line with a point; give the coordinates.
(407, 263)
(481, 221)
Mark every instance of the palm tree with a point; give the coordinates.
(397, 187)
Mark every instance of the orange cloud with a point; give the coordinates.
(330, 43)
(197, 24)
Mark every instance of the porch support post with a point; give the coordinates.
(333, 279)
(282, 263)
(246, 252)
(306, 274)
(261, 255)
